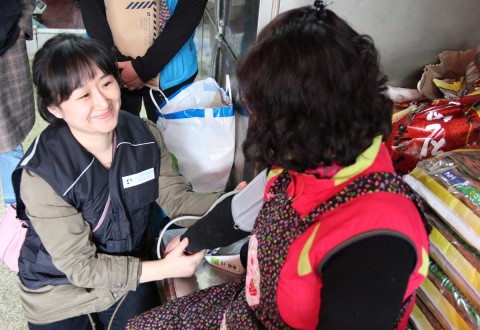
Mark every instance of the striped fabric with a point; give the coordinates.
(17, 108)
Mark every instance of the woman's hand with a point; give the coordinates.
(241, 185)
(129, 76)
(183, 265)
(172, 245)
(175, 264)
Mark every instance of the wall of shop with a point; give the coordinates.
(409, 34)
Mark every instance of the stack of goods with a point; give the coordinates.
(427, 128)
(450, 185)
(446, 302)
(422, 318)
(442, 115)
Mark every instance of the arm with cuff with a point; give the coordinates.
(215, 229)
(230, 220)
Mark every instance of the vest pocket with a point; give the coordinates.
(116, 246)
(141, 195)
(138, 204)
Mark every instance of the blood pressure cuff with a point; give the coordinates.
(216, 229)
(230, 219)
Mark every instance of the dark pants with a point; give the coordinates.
(136, 302)
(132, 100)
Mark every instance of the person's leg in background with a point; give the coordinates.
(8, 161)
(150, 107)
(134, 303)
(82, 322)
(132, 101)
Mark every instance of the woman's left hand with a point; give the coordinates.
(172, 245)
(175, 264)
(178, 264)
(241, 185)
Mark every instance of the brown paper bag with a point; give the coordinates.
(134, 25)
(453, 65)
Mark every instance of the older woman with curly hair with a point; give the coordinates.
(339, 242)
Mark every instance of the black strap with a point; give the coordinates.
(16, 180)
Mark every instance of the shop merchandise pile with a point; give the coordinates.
(435, 143)
(450, 186)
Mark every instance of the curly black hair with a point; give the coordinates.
(315, 92)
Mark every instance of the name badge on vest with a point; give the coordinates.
(138, 178)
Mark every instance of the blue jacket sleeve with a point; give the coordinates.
(179, 28)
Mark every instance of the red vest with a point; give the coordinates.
(298, 294)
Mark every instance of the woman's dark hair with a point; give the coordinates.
(63, 64)
(314, 89)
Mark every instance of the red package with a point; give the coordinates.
(433, 128)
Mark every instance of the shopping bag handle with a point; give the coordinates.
(155, 102)
(228, 87)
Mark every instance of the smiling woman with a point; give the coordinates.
(87, 98)
(91, 112)
(100, 171)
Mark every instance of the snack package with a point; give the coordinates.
(450, 185)
(426, 130)
(458, 259)
(422, 318)
(446, 302)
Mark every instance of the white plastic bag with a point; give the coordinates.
(198, 125)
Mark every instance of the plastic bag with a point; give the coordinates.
(198, 125)
(450, 184)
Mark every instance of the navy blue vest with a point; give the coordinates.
(117, 203)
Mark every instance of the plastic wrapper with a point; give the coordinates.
(459, 261)
(450, 185)
(422, 318)
(446, 302)
(425, 130)
(405, 107)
